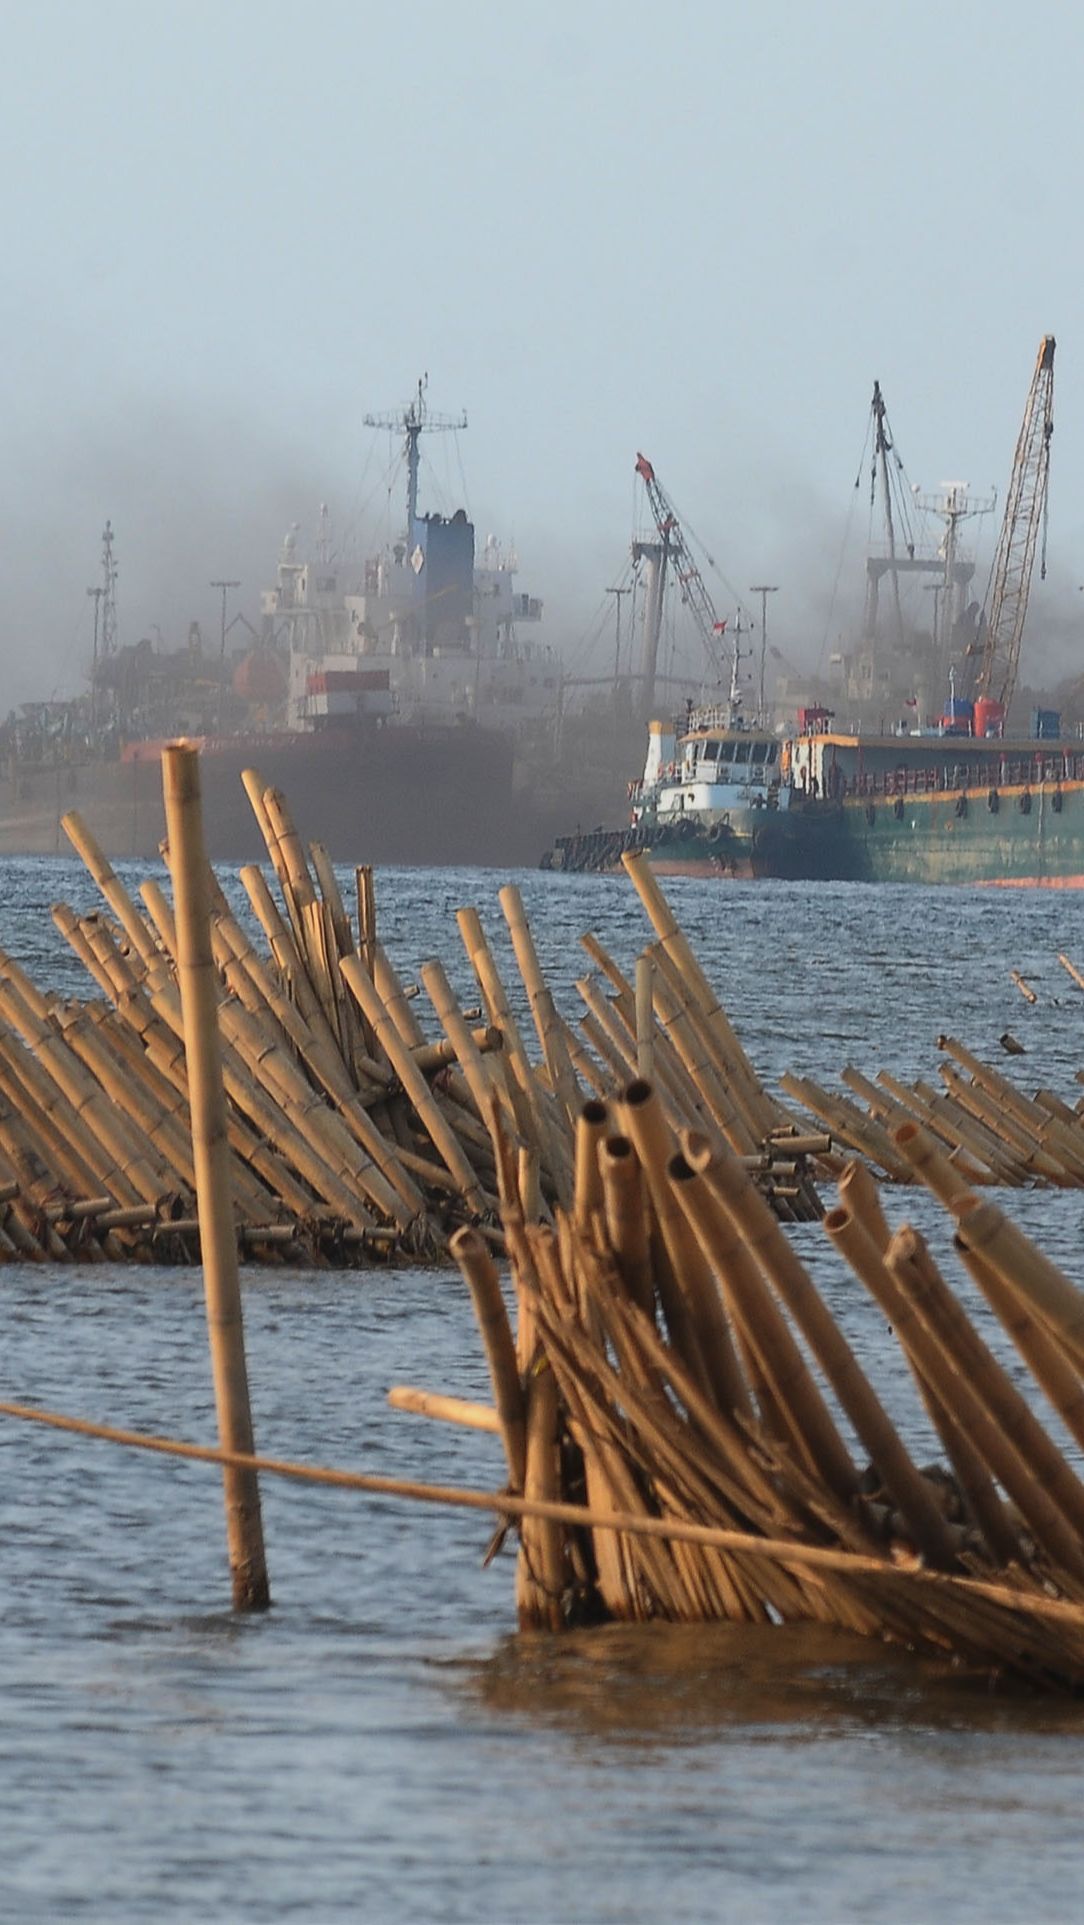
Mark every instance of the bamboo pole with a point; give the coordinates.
(760, 1111)
(922, 1110)
(116, 895)
(1049, 1366)
(592, 1124)
(626, 1222)
(645, 1018)
(99, 1117)
(1016, 1621)
(790, 1280)
(976, 1139)
(540, 1565)
(254, 786)
(288, 957)
(540, 1001)
(444, 1139)
(698, 1304)
(445, 1410)
(161, 915)
(1016, 1447)
(218, 1242)
(918, 1309)
(535, 1119)
(480, 1276)
(848, 1124)
(1003, 1125)
(859, 1194)
(796, 1402)
(984, 1228)
(258, 1131)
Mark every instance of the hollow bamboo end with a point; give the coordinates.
(698, 1149)
(617, 1149)
(638, 1093)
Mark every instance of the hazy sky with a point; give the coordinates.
(231, 229)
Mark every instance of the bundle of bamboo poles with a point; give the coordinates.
(356, 1132)
(992, 1132)
(689, 1435)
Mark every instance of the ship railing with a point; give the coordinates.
(711, 716)
(1002, 772)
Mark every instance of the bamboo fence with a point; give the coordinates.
(990, 1129)
(688, 1434)
(360, 1107)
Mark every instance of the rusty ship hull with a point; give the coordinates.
(404, 795)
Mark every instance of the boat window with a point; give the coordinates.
(726, 751)
(710, 751)
(759, 751)
(773, 751)
(741, 751)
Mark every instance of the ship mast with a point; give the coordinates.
(106, 600)
(882, 448)
(414, 421)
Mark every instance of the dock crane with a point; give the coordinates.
(670, 548)
(1025, 513)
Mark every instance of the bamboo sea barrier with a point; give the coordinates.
(643, 1484)
(688, 1432)
(993, 1133)
(367, 1115)
(689, 1435)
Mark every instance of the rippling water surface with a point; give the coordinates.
(381, 1745)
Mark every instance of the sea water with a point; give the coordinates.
(382, 1745)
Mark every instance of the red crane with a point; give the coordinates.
(674, 549)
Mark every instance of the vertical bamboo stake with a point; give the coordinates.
(645, 1017)
(366, 904)
(592, 1124)
(210, 1153)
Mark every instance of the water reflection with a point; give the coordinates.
(687, 1684)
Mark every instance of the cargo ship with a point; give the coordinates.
(961, 797)
(825, 806)
(394, 698)
(962, 807)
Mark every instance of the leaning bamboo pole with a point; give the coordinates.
(116, 895)
(796, 1403)
(978, 1403)
(443, 1138)
(540, 1001)
(694, 1304)
(210, 1150)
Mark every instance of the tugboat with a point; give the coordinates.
(711, 774)
(710, 780)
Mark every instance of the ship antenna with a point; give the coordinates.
(412, 422)
(740, 628)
